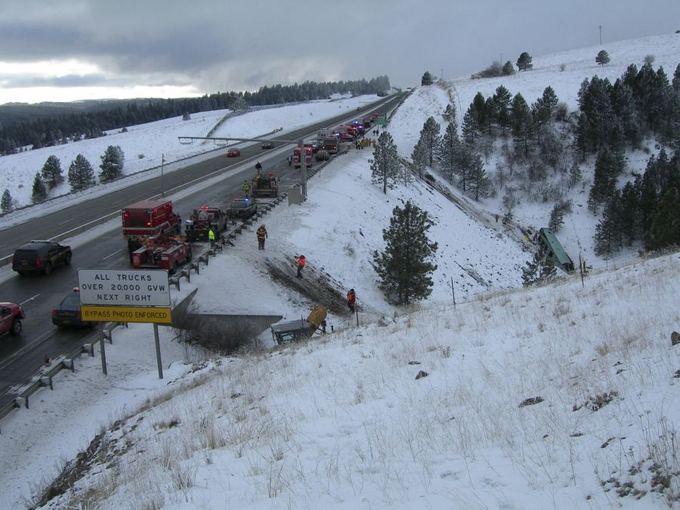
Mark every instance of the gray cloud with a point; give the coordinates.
(238, 44)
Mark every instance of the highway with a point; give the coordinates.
(22, 356)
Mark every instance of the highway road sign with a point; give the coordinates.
(137, 288)
(155, 314)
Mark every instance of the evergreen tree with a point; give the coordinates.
(508, 70)
(629, 213)
(501, 101)
(6, 202)
(521, 125)
(80, 174)
(602, 58)
(524, 62)
(426, 79)
(665, 230)
(385, 165)
(448, 152)
(557, 215)
(624, 106)
(39, 192)
(420, 157)
(676, 79)
(608, 238)
(51, 172)
(429, 139)
(479, 183)
(112, 164)
(449, 114)
(608, 166)
(470, 127)
(405, 266)
(545, 106)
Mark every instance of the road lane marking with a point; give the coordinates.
(111, 255)
(29, 299)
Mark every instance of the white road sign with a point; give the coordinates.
(124, 288)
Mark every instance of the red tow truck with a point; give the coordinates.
(162, 251)
(147, 218)
(308, 156)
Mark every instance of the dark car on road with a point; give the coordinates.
(267, 145)
(40, 257)
(67, 313)
(10, 318)
(242, 208)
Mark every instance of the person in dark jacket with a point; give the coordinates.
(261, 236)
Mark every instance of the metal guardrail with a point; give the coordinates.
(45, 376)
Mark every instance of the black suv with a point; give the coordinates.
(40, 257)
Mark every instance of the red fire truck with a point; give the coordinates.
(162, 251)
(308, 156)
(148, 218)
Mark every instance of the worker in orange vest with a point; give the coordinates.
(300, 263)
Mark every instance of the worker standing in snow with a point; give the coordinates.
(261, 236)
(246, 188)
(300, 264)
(211, 236)
(351, 300)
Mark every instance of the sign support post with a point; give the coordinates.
(158, 351)
(102, 347)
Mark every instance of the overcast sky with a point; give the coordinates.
(64, 50)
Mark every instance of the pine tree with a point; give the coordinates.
(39, 192)
(420, 157)
(6, 202)
(501, 101)
(521, 125)
(429, 139)
(449, 114)
(608, 238)
(508, 69)
(557, 215)
(385, 165)
(426, 79)
(470, 127)
(405, 266)
(544, 107)
(51, 172)
(665, 229)
(608, 166)
(479, 183)
(524, 62)
(80, 174)
(448, 152)
(112, 164)
(602, 58)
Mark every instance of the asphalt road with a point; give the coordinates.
(22, 356)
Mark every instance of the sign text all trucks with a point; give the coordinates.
(124, 288)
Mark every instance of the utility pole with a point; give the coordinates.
(303, 169)
(162, 164)
(600, 27)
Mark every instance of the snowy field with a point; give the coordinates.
(144, 145)
(555, 397)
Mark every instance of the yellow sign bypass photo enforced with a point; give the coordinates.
(159, 315)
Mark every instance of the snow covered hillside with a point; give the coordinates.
(554, 397)
(145, 144)
(564, 72)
